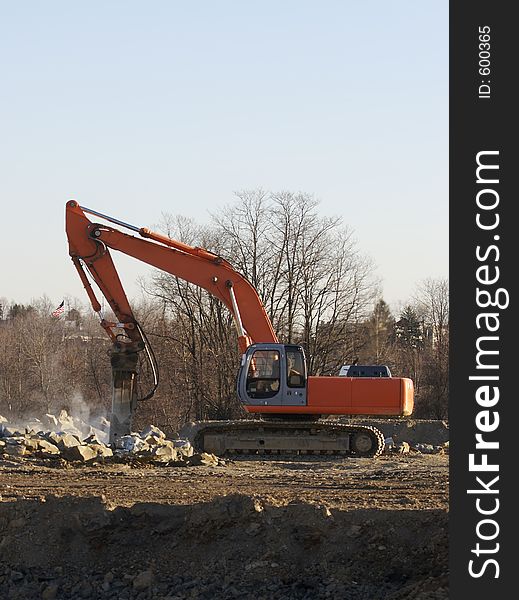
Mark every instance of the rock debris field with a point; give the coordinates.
(154, 519)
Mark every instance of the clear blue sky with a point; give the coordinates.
(138, 108)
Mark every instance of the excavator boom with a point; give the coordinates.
(89, 243)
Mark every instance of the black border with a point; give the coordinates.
(477, 125)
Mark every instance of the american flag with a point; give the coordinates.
(60, 310)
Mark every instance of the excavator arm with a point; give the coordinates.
(89, 244)
(89, 247)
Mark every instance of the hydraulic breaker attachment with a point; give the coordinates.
(123, 358)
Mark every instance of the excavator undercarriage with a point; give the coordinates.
(284, 437)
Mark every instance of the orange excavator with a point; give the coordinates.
(272, 380)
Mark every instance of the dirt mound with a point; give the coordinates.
(233, 547)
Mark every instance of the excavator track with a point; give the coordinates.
(284, 437)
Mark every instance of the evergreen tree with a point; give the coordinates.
(379, 328)
(409, 329)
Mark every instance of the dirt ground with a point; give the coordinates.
(294, 527)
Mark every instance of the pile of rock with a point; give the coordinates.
(149, 445)
(49, 444)
(62, 422)
(391, 447)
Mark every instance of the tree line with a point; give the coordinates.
(317, 287)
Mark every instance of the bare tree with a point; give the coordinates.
(313, 282)
(432, 299)
(310, 276)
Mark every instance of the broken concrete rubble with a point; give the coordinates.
(403, 448)
(63, 423)
(79, 453)
(204, 458)
(131, 443)
(65, 420)
(425, 448)
(99, 434)
(102, 450)
(151, 430)
(47, 449)
(391, 447)
(148, 446)
(14, 449)
(165, 453)
(9, 431)
(66, 441)
(91, 439)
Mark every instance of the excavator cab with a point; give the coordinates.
(273, 375)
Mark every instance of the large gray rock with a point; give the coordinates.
(143, 580)
(80, 453)
(204, 458)
(101, 450)
(47, 449)
(151, 430)
(403, 448)
(184, 447)
(165, 453)
(63, 441)
(131, 443)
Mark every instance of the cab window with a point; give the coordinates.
(263, 374)
(296, 375)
